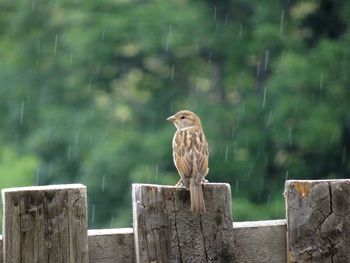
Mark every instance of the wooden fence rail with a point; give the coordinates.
(48, 224)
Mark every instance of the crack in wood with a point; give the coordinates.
(176, 229)
(204, 244)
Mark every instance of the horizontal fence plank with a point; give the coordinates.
(260, 241)
(111, 245)
(255, 242)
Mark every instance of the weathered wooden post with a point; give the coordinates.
(318, 221)
(165, 229)
(45, 224)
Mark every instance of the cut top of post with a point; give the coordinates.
(44, 187)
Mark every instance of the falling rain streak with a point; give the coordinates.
(321, 81)
(264, 98)
(344, 155)
(69, 152)
(215, 10)
(169, 38)
(22, 112)
(226, 153)
(258, 69)
(103, 183)
(93, 214)
(269, 121)
(240, 30)
(157, 172)
(290, 136)
(56, 44)
(37, 175)
(172, 72)
(266, 59)
(282, 22)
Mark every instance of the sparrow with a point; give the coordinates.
(190, 154)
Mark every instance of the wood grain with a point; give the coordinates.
(255, 242)
(260, 241)
(165, 229)
(45, 224)
(1, 256)
(111, 246)
(318, 220)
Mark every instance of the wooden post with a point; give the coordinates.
(45, 224)
(318, 221)
(165, 229)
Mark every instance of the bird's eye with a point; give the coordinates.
(182, 117)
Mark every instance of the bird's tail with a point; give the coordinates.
(197, 198)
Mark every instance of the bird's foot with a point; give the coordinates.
(179, 183)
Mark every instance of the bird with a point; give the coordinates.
(190, 155)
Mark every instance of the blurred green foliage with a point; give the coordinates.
(86, 87)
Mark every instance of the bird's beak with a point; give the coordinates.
(171, 118)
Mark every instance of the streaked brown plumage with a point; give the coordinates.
(190, 153)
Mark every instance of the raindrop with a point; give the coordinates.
(168, 38)
(215, 10)
(157, 172)
(290, 136)
(248, 175)
(93, 214)
(71, 57)
(264, 98)
(56, 43)
(282, 22)
(22, 112)
(38, 48)
(287, 173)
(90, 84)
(233, 131)
(266, 59)
(103, 183)
(243, 107)
(103, 34)
(270, 118)
(172, 72)
(209, 58)
(37, 175)
(33, 4)
(268, 200)
(69, 152)
(226, 19)
(76, 138)
(258, 69)
(321, 81)
(237, 184)
(344, 155)
(240, 30)
(90, 141)
(226, 153)
(111, 223)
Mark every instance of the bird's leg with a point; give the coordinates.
(204, 181)
(179, 183)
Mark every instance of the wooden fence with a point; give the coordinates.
(49, 224)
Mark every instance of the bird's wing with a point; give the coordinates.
(190, 154)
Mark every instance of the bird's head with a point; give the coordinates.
(185, 119)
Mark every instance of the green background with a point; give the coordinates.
(86, 87)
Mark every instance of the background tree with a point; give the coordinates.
(86, 87)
